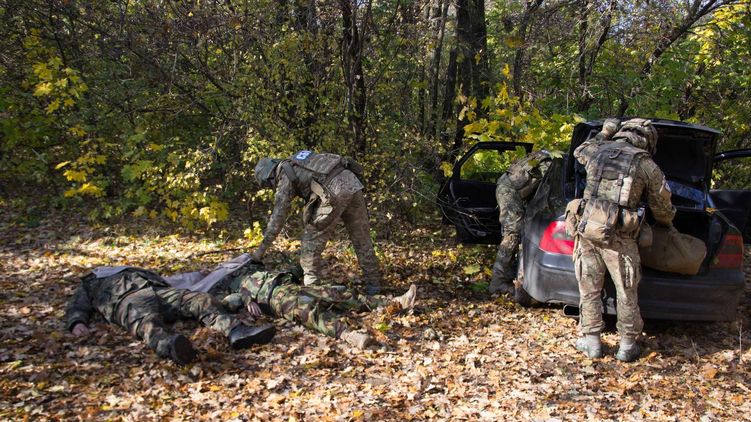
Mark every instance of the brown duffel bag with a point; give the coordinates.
(673, 252)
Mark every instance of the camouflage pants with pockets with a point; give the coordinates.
(511, 213)
(145, 313)
(319, 308)
(352, 210)
(591, 262)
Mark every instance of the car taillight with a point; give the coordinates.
(555, 239)
(730, 253)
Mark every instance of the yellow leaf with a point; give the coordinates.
(53, 106)
(155, 147)
(61, 165)
(357, 413)
(471, 269)
(75, 175)
(77, 131)
(90, 189)
(448, 169)
(68, 102)
(43, 89)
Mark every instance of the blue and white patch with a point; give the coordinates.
(303, 155)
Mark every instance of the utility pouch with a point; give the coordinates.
(599, 220)
(573, 212)
(646, 237)
(319, 210)
(629, 223)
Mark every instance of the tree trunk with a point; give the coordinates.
(352, 51)
(449, 95)
(473, 66)
(531, 7)
(440, 14)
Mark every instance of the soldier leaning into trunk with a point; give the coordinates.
(319, 307)
(513, 190)
(142, 302)
(607, 225)
(333, 192)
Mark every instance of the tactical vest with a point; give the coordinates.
(305, 166)
(610, 173)
(525, 175)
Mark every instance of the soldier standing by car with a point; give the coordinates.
(608, 221)
(333, 191)
(513, 190)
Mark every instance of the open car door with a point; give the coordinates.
(467, 199)
(731, 191)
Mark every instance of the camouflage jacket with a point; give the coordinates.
(646, 178)
(104, 294)
(525, 174)
(258, 286)
(286, 191)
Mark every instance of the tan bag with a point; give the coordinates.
(674, 252)
(572, 215)
(599, 220)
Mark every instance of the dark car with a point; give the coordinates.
(685, 153)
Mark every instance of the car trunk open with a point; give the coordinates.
(685, 155)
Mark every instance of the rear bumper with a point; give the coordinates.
(713, 296)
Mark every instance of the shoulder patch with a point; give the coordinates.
(302, 155)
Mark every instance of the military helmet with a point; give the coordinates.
(264, 171)
(647, 134)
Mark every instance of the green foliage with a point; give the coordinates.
(163, 110)
(509, 118)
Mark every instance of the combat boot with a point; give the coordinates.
(501, 287)
(356, 339)
(628, 350)
(591, 345)
(244, 336)
(181, 351)
(407, 300)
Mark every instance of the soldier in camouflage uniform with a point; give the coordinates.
(333, 192)
(142, 302)
(619, 173)
(318, 307)
(514, 189)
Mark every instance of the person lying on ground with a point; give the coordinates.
(143, 303)
(242, 282)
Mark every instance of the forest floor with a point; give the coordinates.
(462, 355)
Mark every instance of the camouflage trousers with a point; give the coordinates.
(621, 260)
(145, 313)
(320, 308)
(511, 213)
(352, 210)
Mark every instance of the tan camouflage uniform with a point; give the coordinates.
(347, 204)
(143, 303)
(514, 189)
(619, 256)
(318, 308)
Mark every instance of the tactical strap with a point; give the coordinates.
(286, 166)
(622, 166)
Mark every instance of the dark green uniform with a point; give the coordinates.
(280, 294)
(143, 303)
